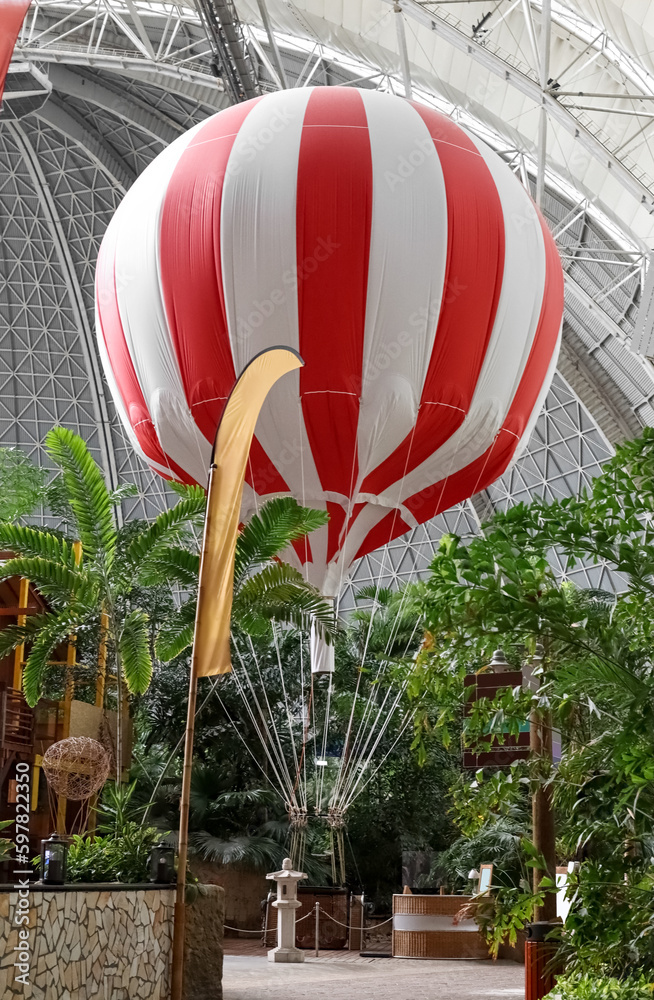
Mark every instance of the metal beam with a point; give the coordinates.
(404, 54)
(75, 297)
(225, 34)
(274, 48)
(122, 104)
(66, 121)
(596, 390)
(544, 72)
(530, 88)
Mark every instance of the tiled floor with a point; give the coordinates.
(346, 976)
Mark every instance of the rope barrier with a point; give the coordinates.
(311, 913)
(242, 930)
(353, 927)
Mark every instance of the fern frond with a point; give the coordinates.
(279, 592)
(38, 542)
(176, 632)
(171, 564)
(278, 524)
(134, 649)
(122, 492)
(166, 523)
(87, 492)
(54, 629)
(55, 581)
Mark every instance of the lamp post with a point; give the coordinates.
(286, 904)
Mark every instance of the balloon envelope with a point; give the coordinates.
(394, 250)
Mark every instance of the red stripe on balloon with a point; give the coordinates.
(192, 286)
(12, 15)
(334, 209)
(111, 329)
(384, 531)
(471, 291)
(496, 459)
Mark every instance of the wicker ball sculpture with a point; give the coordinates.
(76, 768)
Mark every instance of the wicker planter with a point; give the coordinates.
(425, 927)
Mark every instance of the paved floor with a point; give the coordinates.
(346, 976)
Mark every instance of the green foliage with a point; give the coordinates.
(265, 589)
(6, 846)
(112, 858)
(109, 578)
(610, 928)
(588, 986)
(505, 912)
(22, 485)
(594, 679)
(135, 651)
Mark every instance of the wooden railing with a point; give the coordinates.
(16, 721)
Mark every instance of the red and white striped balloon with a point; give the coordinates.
(395, 251)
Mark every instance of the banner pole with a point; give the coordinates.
(211, 650)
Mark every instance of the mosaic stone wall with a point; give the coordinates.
(106, 944)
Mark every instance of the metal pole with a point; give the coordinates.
(363, 922)
(545, 36)
(317, 929)
(404, 54)
(277, 59)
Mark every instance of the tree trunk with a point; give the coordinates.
(542, 811)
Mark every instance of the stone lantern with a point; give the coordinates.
(286, 904)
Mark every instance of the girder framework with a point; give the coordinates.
(126, 79)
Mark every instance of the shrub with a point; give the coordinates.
(590, 987)
(112, 858)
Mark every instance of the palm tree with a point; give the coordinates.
(92, 589)
(265, 589)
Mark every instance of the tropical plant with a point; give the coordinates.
(588, 986)
(22, 484)
(112, 858)
(265, 589)
(89, 587)
(6, 846)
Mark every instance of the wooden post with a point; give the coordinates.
(180, 904)
(19, 652)
(69, 694)
(102, 661)
(540, 728)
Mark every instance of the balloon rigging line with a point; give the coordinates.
(354, 789)
(264, 688)
(243, 741)
(268, 747)
(405, 722)
(264, 741)
(287, 706)
(363, 753)
(381, 568)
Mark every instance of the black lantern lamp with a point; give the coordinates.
(162, 864)
(54, 854)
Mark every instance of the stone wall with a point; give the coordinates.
(108, 943)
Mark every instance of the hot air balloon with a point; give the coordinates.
(389, 246)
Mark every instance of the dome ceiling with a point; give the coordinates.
(97, 89)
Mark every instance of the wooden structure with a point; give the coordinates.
(428, 927)
(25, 733)
(500, 754)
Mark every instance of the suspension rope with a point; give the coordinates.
(288, 710)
